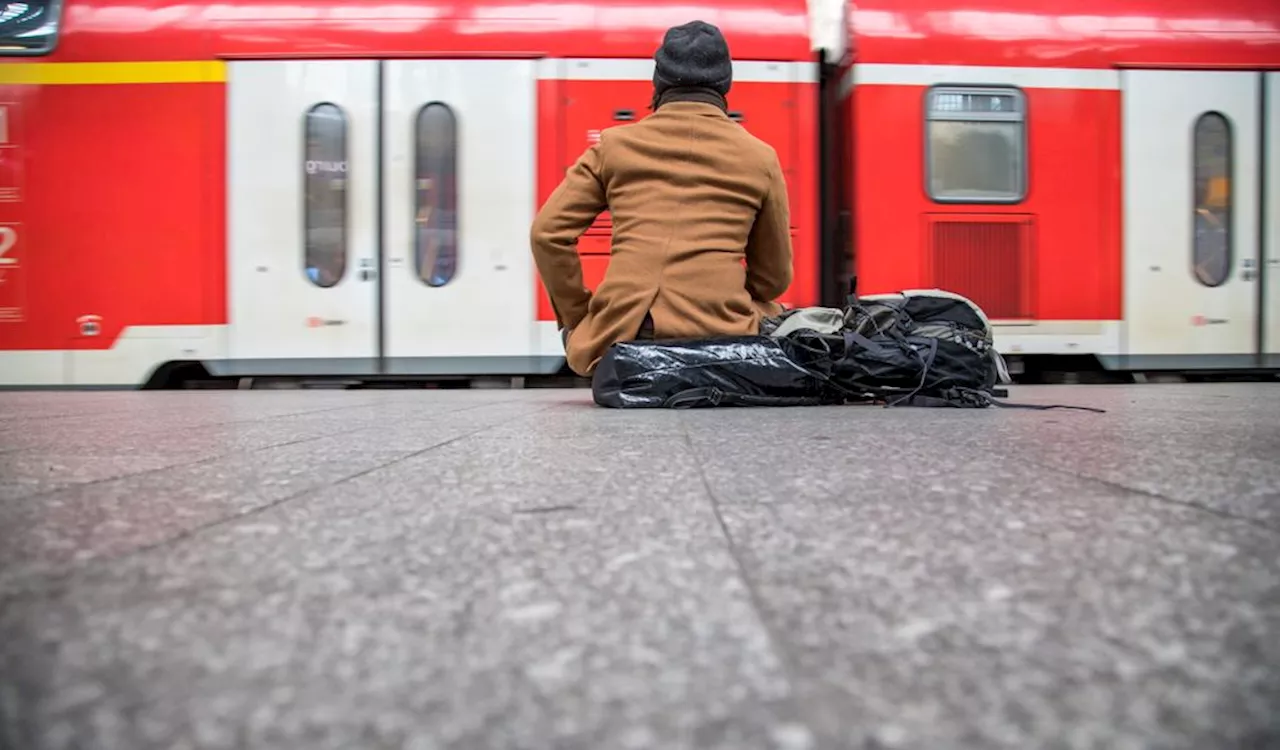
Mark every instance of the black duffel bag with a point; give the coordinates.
(729, 371)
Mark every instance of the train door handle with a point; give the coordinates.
(368, 274)
(1248, 274)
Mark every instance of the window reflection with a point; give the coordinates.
(436, 195)
(1211, 247)
(976, 144)
(29, 27)
(325, 207)
(975, 160)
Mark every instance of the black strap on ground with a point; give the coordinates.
(1045, 407)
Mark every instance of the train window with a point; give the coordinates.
(975, 144)
(1211, 246)
(435, 239)
(29, 27)
(325, 203)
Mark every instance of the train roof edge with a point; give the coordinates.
(1068, 33)
(103, 30)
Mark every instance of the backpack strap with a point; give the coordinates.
(991, 398)
(1045, 407)
(926, 362)
(851, 298)
(937, 402)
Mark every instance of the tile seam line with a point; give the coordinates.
(290, 415)
(210, 459)
(776, 643)
(273, 417)
(1204, 509)
(840, 492)
(69, 570)
(111, 412)
(301, 493)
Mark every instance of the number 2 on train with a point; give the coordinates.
(8, 238)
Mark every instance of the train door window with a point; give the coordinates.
(29, 27)
(325, 205)
(975, 144)
(1211, 246)
(436, 200)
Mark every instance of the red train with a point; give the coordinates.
(317, 188)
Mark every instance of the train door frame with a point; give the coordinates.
(836, 252)
(378, 318)
(1172, 320)
(488, 198)
(1269, 219)
(280, 321)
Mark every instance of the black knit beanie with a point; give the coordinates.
(693, 55)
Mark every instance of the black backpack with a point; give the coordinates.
(924, 347)
(915, 348)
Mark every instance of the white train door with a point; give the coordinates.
(1191, 203)
(459, 186)
(303, 283)
(378, 217)
(1271, 220)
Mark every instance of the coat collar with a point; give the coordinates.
(691, 108)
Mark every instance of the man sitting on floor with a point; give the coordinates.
(692, 195)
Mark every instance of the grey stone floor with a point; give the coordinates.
(519, 569)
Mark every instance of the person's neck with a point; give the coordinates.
(690, 94)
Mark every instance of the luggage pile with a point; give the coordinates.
(915, 348)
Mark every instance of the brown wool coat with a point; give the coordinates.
(692, 194)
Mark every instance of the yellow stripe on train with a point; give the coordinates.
(90, 73)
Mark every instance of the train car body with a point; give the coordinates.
(1100, 175)
(328, 188)
(318, 188)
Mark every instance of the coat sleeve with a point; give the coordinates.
(769, 244)
(578, 200)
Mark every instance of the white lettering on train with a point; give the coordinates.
(8, 238)
(315, 166)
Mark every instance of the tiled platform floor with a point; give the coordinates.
(519, 569)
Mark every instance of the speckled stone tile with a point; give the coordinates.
(413, 425)
(1086, 623)
(571, 598)
(113, 517)
(141, 509)
(945, 596)
(222, 421)
(1214, 446)
(183, 434)
(573, 415)
(500, 569)
(28, 473)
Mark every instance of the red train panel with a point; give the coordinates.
(1069, 239)
(1057, 253)
(104, 30)
(1075, 34)
(120, 211)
